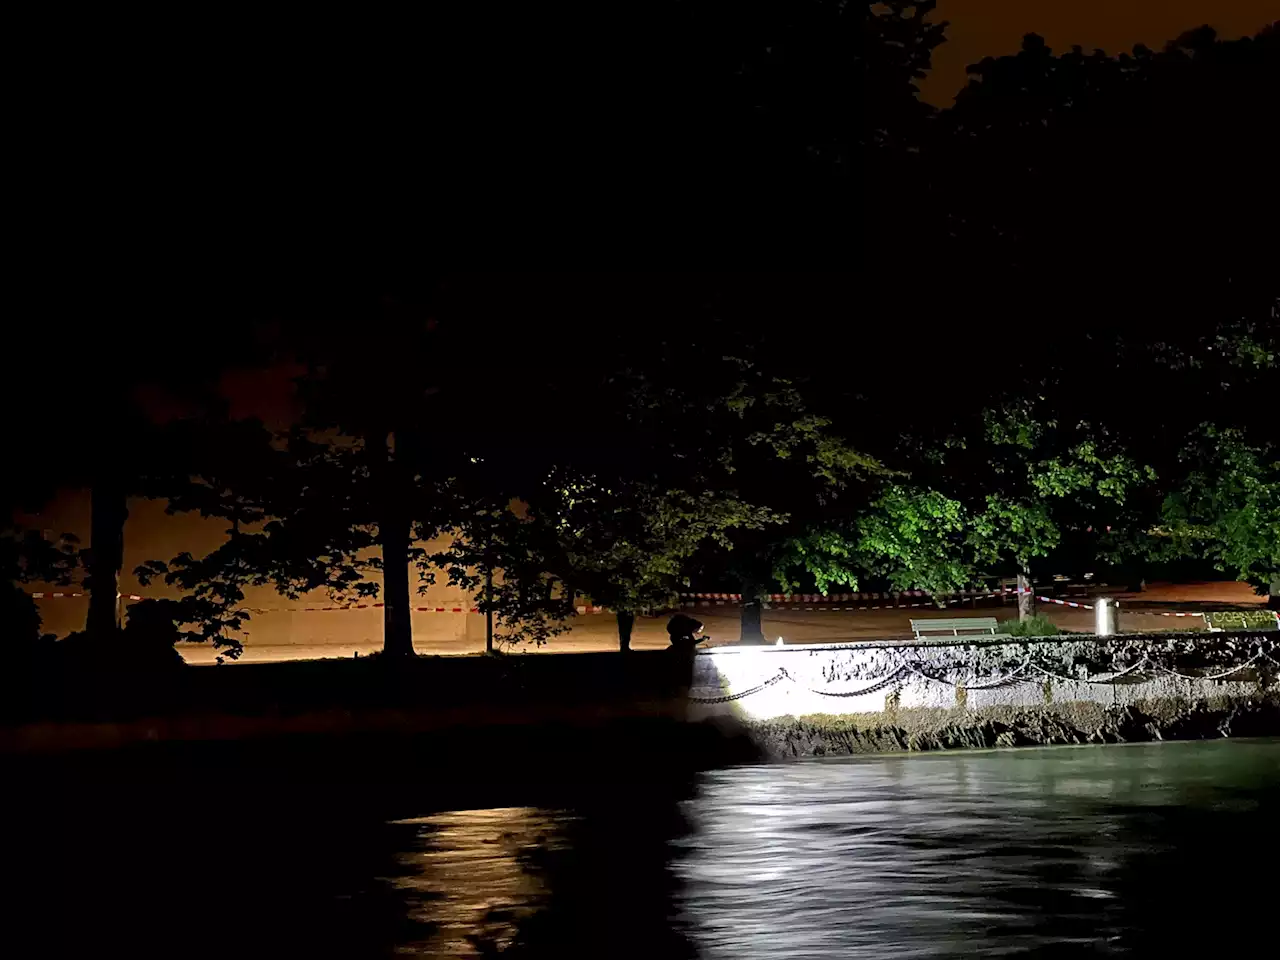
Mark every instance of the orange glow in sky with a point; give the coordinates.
(982, 28)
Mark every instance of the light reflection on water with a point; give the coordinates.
(1134, 850)
(1091, 851)
(470, 876)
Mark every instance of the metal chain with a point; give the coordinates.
(924, 676)
(745, 693)
(888, 681)
(1004, 681)
(1000, 681)
(1101, 683)
(1213, 676)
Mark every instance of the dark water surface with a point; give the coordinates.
(1145, 850)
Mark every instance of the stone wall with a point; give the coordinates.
(817, 699)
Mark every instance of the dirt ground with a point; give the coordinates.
(303, 636)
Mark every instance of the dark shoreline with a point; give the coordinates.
(447, 732)
(471, 729)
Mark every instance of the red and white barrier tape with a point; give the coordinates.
(1066, 603)
(932, 603)
(889, 606)
(822, 598)
(721, 599)
(971, 594)
(358, 606)
(704, 600)
(371, 606)
(1126, 610)
(132, 597)
(1008, 592)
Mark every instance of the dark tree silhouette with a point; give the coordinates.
(359, 480)
(1105, 237)
(26, 556)
(502, 554)
(126, 385)
(679, 426)
(236, 474)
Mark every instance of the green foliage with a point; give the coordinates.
(827, 556)
(1007, 528)
(1083, 468)
(503, 556)
(1227, 507)
(626, 543)
(804, 477)
(1014, 426)
(1170, 323)
(1248, 345)
(791, 429)
(994, 494)
(909, 536)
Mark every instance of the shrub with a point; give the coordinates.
(1037, 626)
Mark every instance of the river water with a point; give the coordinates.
(1137, 850)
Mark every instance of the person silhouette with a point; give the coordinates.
(685, 632)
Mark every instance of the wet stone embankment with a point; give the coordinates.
(922, 730)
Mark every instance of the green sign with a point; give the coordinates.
(1242, 620)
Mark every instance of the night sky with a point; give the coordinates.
(989, 28)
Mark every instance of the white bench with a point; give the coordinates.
(954, 626)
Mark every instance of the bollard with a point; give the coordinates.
(1106, 617)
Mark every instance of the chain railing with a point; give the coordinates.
(1016, 676)
(729, 697)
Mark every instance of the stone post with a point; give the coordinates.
(1106, 617)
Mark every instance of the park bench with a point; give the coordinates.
(954, 625)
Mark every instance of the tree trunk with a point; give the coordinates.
(1135, 579)
(109, 511)
(1273, 598)
(752, 631)
(394, 529)
(626, 620)
(393, 538)
(488, 606)
(1026, 598)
